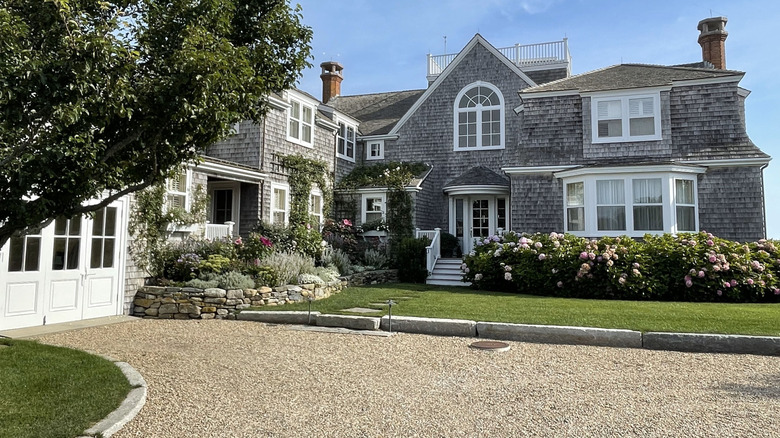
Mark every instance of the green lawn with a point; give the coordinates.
(464, 303)
(54, 392)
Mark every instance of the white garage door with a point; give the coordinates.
(69, 271)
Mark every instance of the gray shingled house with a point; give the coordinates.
(517, 143)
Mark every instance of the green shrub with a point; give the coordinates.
(302, 239)
(216, 263)
(288, 266)
(254, 248)
(328, 274)
(411, 259)
(342, 235)
(375, 258)
(226, 280)
(163, 260)
(206, 282)
(337, 259)
(687, 267)
(264, 275)
(450, 245)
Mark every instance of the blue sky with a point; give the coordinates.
(383, 45)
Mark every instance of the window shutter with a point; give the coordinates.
(640, 107)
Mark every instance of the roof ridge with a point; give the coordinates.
(381, 93)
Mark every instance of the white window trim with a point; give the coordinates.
(286, 188)
(341, 121)
(624, 97)
(668, 202)
(381, 144)
(299, 140)
(456, 112)
(185, 192)
(365, 196)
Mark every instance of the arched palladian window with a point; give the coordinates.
(479, 117)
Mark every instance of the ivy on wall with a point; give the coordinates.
(395, 176)
(152, 224)
(303, 173)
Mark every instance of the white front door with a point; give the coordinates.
(69, 271)
(476, 217)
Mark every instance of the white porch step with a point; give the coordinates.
(447, 272)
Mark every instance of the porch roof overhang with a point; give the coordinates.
(233, 172)
(476, 189)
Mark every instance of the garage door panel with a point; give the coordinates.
(64, 295)
(22, 299)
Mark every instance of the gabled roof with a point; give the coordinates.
(478, 39)
(627, 76)
(478, 176)
(378, 112)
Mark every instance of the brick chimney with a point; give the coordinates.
(331, 80)
(712, 38)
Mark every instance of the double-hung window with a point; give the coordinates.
(373, 207)
(176, 190)
(300, 118)
(479, 118)
(279, 204)
(375, 150)
(345, 143)
(610, 205)
(575, 206)
(648, 204)
(623, 118)
(315, 206)
(685, 204)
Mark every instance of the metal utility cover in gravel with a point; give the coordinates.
(244, 379)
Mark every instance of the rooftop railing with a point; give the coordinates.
(528, 55)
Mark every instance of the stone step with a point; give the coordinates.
(447, 283)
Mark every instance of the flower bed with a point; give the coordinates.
(685, 267)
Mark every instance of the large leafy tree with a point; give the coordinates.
(103, 98)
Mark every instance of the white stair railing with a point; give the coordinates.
(432, 251)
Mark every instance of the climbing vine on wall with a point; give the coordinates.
(151, 223)
(395, 176)
(303, 173)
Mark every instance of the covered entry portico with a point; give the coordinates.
(478, 205)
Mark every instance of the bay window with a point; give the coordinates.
(633, 204)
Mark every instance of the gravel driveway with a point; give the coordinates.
(244, 379)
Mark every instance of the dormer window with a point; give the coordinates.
(479, 118)
(300, 119)
(624, 118)
(345, 143)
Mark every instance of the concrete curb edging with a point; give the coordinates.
(708, 343)
(431, 326)
(278, 317)
(552, 334)
(128, 409)
(348, 321)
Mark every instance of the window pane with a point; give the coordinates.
(58, 260)
(686, 218)
(341, 146)
(96, 253)
(75, 226)
(575, 219)
(307, 115)
(373, 204)
(610, 192)
(108, 253)
(501, 213)
(97, 223)
(684, 191)
(373, 217)
(295, 109)
(60, 226)
(575, 193)
(610, 109)
(611, 218)
(110, 221)
(279, 217)
(306, 135)
(648, 218)
(16, 254)
(458, 218)
(610, 128)
(74, 246)
(647, 191)
(642, 126)
(640, 107)
(32, 254)
(294, 128)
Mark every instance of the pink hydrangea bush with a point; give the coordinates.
(690, 267)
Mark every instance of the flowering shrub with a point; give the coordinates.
(302, 239)
(691, 267)
(342, 235)
(254, 248)
(185, 267)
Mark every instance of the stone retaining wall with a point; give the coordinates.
(214, 303)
